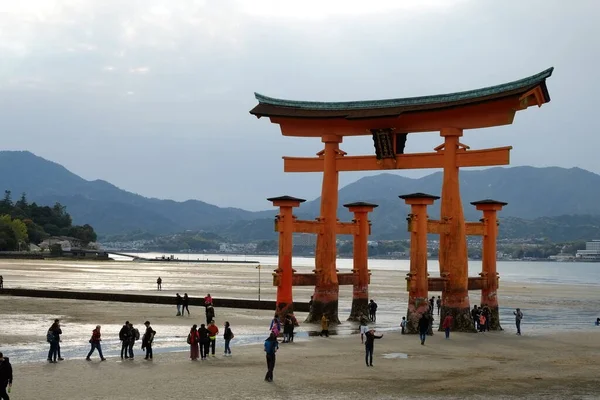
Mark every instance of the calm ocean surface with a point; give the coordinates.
(552, 314)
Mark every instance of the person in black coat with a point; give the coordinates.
(147, 340)
(423, 327)
(370, 345)
(185, 304)
(204, 341)
(124, 337)
(6, 376)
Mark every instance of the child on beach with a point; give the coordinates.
(482, 321)
(324, 326)
(275, 326)
(447, 324)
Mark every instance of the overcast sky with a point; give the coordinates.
(153, 95)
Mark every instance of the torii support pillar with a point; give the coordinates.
(360, 247)
(417, 278)
(453, 242)
(285, 226)
(489, 274)
(327, 289)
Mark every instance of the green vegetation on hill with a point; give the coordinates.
(22, 223)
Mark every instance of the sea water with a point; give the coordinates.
(102, 276)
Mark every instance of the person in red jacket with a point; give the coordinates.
(193, 340)
(447, 324)
(95, 342)
(213, 330)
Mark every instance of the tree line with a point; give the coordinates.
(23, 223)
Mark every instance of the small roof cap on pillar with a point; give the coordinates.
(360, 204)
(418, 195)
(488, 201)
(286, 198)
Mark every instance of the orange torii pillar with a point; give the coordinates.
(285, 226)
(417, 278)
(360, 247)
(453, 242)
(327, 288)
(489, 274)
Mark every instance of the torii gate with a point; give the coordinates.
(389, 122)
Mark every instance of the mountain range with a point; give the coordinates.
(532, 194)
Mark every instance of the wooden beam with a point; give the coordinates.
(474, 228)
(436, 227)
(437, 284)
(344, 278)
(464, 158)
(308, 226)
(302, 226)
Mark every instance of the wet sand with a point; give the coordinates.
(547, 362)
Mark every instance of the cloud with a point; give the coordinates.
(165, 86)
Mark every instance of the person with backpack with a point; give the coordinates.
(193, 340)
(159, 283)
(372, 311)
(204, 341)
(275, 326)
(124, 337)
(370, 346)
(185, 304)
(227, 336)
(213, 330)
(147, 340)
(95, 342)
(135, 335)
(271, 346)
(6, 376)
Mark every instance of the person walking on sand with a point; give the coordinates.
(370, 345)
(287, 328)
(159, 283)
(403, 325)
(1, 282)
(147, 340)
(372, 310)
(597, 321)
(363, 329)
(438, 303)
(423, 327)
(193, 340)
(210, 313)
(518, 318)
(185, 304)
(178, 302)
(95, 343)
(204, 341)
(324, 326)
(271, 346)
(475, 316)
(124, 337)
(447, 324)
(135, 335)
(213, 331)
(227, 336)
(6, 377)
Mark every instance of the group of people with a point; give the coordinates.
(183, 304)
(481, 318)
(203, 340)
(128, 336)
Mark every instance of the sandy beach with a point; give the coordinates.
(547, 362)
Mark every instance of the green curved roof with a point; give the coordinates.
(521, 85)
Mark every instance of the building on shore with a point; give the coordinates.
(591, 252)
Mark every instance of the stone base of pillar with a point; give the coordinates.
(495, 319)
(325, 302)
(462, 320)
(416, 308)
(284, 309)
(360, 309)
